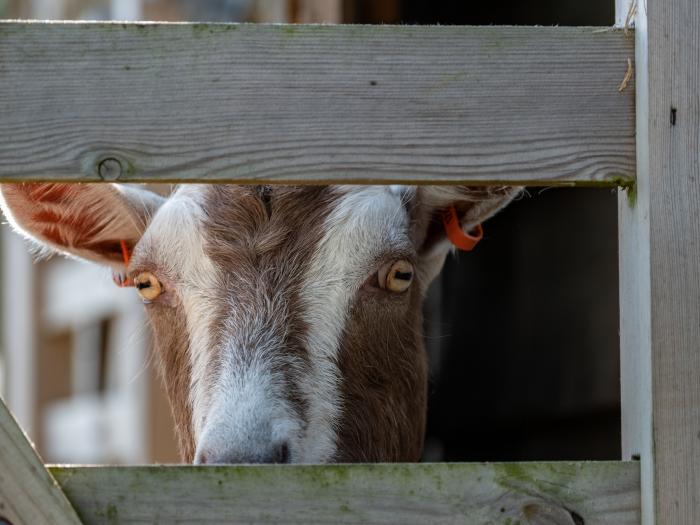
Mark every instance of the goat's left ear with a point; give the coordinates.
(474, 205)
(83, 220)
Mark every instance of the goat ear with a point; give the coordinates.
(83, 220)
(474, 205)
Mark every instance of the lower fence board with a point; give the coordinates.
(473, 493)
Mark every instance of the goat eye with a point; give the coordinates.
(397, 277)
(148, 287)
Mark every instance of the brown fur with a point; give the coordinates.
(171, 345)
(384, 369)
(262, 240)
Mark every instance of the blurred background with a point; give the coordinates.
(522, 334)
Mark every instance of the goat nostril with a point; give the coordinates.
(282, 454)
(274, 453)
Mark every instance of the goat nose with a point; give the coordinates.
(277, 453)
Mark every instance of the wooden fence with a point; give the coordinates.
(318, 103)
(355, 104)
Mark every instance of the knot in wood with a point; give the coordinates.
(109, 169)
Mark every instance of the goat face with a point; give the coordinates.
(287, 320)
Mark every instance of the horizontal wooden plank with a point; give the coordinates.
(471, 493)
(316, 103)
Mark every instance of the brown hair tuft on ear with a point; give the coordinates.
(84, 220)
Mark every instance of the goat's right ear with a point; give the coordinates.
(84, 220)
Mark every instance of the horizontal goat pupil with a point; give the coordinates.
(141, 286)
(404, 276)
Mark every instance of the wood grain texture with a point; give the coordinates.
(635, 293)
(660, 266)
(322, 104)
(469, 493)
(28, 493)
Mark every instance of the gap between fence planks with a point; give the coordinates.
(315, 104)
(470, 493)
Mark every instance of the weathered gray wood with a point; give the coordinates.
(247, 103)
(635, 293)
(28, 493)
(622, 9)
(544, 493)
(660, 266)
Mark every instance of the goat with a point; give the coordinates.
(286, 318)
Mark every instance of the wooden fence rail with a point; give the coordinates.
(315, 104)
(387, 104)
(559, 493)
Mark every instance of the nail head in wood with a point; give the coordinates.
(110, 169)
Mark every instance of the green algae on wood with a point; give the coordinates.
(498, 493)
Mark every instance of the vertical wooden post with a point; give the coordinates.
(659, 224)
(622, 8)
(17, 327)
(47, 9)
(126, 9)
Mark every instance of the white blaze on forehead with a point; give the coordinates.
(249, 416)
(176, 237)
(365, 222)
(230, 406)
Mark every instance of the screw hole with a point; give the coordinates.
(110, 169)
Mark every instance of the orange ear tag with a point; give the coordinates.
(121, 279)
(463, 241)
